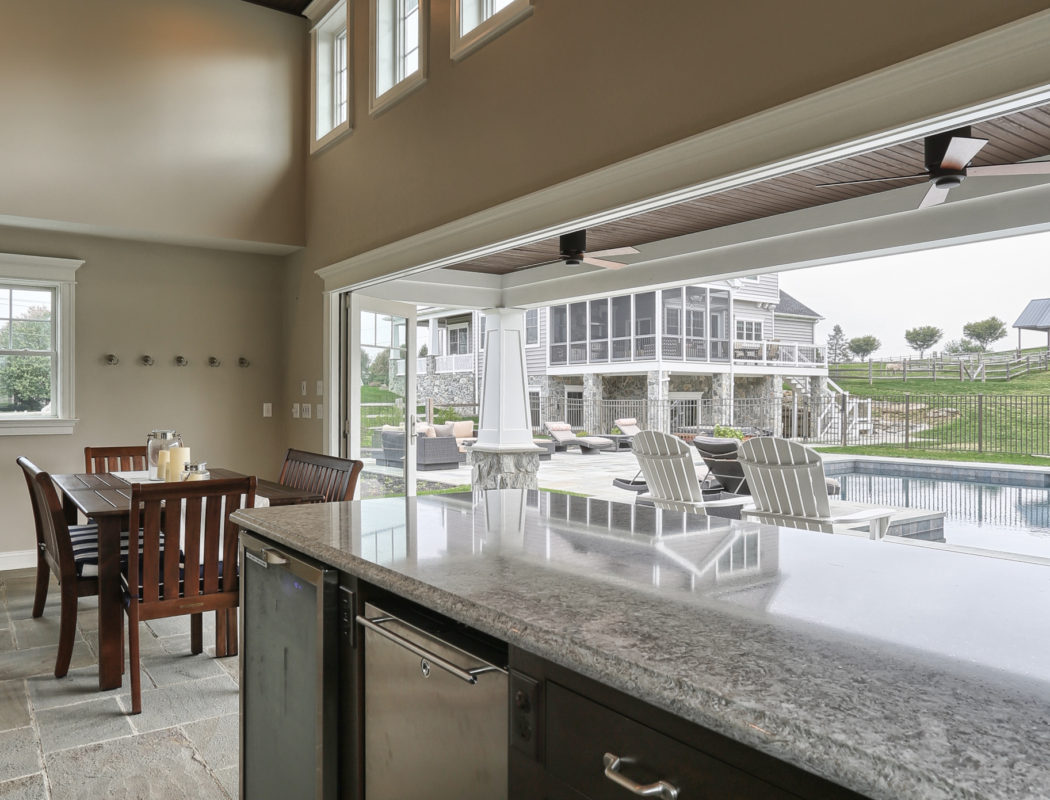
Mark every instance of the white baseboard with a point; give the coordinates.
(17, 559)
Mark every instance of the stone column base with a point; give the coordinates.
(502, 468)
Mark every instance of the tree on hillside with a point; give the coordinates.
(923, 338)
(864, 346)
(954, 347)
(27, 379)
(985, 331)
(838, 350)
(379, 369)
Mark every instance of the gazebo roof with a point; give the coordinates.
(1036, 316)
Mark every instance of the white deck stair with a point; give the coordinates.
(829, 421)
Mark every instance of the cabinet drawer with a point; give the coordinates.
(580, 732)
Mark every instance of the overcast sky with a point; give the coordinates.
(946, 287)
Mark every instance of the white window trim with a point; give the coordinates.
(539, 339)
(59, 274)
(456, 326)
(334, 17)
(754, 321)
(410, 83)
(500, 22)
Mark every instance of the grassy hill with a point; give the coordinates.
(1032, 383)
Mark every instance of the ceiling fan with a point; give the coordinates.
(574, 252)
(946, 157)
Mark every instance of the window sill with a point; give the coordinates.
(494, 26)
(36, 426)
(396, 93)
(330, 138)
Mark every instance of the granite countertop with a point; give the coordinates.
(898, 671)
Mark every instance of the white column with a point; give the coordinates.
(504, 455)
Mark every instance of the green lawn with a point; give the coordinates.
(895, 451)
(377, 394)
(1032, 383)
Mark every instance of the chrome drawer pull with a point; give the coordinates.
(467, 675)
(661, 789)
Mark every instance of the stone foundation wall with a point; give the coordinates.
(624, 387)
(446, 387)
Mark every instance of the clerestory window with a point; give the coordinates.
(330, 76)
(399, 50)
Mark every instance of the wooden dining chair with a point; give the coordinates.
(332, 477)
(202, 577)
(70, 552)
(113, 459)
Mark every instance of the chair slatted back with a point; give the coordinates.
(52, 531)
(126, 458)
(722, 457)
(197, 514)
(332, 477)
(667, 465)
(785, 477)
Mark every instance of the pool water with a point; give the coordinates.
(1011, 519)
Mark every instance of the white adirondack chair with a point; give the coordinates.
(667, 466)
(788, 488)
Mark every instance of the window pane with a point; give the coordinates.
(599, 319)
(25, 383)
(532, 326)
(645, 313)
(558, 325)
(5, 303)
(621, 316)
(27, 304)
(30, 335)
(578, 322)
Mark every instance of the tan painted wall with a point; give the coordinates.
(582, 84)
(162, 300)
(173, 118)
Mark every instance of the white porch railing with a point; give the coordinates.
(766, 352)
(455, 363)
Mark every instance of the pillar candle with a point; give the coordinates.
(162, 464)
(176, 462)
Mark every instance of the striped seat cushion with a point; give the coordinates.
(85, 549)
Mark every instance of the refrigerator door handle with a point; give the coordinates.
(466, 675)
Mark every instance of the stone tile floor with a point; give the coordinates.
(63, 739)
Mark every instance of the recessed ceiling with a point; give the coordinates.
(287, 6)
(1016, 137)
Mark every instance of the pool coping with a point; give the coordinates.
(966, 471)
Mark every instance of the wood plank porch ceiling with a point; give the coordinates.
(1016, 137)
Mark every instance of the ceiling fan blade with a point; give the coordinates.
(598, 262)
(1027, 168)
(877, 180)
(935, 196)
(961, 151)
(616, 251)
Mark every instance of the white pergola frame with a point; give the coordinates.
(995, 73)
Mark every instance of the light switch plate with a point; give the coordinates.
(320, 411)
(302, 388)
(267, 409)
(320, 388)
(306, 409)
(295, 411)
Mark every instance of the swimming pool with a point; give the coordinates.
(987, 507)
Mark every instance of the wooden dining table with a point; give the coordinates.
(105, 498)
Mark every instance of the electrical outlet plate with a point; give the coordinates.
(320, 388)
(267, 409)
(295, 411)
(320, 411)
(306, 409)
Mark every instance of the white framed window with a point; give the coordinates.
(476, 22)
(532, 327)
(36, 344)
(398, 50)
(458, 338)
(329, 74)
(749, 330)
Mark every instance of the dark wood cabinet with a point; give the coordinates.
(578, 721)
